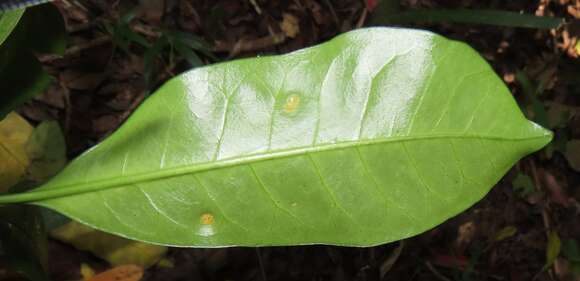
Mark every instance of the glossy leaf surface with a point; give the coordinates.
(374, 136)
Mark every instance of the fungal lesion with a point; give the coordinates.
(207, 219)
(292, 103)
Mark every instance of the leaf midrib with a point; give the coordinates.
(117, 182)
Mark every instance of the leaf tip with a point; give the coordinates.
(540, 136)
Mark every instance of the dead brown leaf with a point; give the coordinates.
(555, 189)
(79, 80)
(152, 10)
(105, 123)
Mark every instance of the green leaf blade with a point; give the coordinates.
(22, 75)
(377, 135)
(8, 21)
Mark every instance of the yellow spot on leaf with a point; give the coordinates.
(206, 219)
(292, 103)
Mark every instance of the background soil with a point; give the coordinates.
(503, 237)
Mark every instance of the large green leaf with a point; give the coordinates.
(21, 75)
(374, 136)
(8, 21)
(48, 27)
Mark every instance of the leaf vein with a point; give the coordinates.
(419, 176)
(225, 117)
(453, 94)
(217, 205)
(269, 195)
(328, 190)
(377, 187)
(319, 111)
(158, 209)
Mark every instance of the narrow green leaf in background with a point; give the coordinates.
(552, 249)
(374, 136)
(523, 185)
(188, 54)
(473, 16)
(191, 41)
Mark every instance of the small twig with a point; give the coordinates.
(146, 30)
(536, 178)
(435, 272)
(299, 4)
(244, 45)
(139, 28)
(78, 4)
(261, 263)
(76, 49)
(545, 216)
(67, 109)
(256, 7)
(393, 257)
(80, 27)
(193, 11)
(362, 19)
(333, 13)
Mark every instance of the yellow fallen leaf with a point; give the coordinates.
(86, 272)
(114, 249)
(14, 134)
(120, 273)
